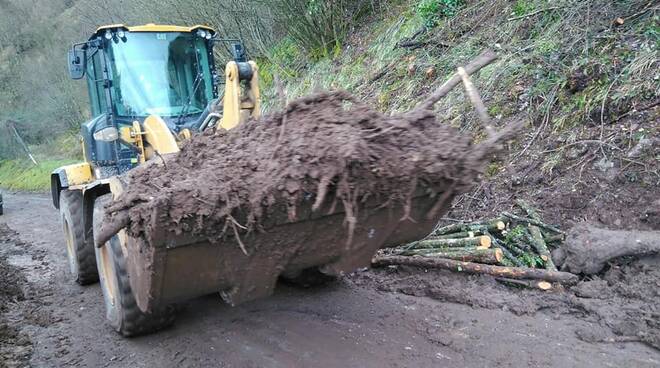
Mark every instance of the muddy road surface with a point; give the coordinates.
(371, 319)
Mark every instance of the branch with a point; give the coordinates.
(478, 104)
(534, 13)
(481, 61)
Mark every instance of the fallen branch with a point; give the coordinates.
(478, 104)
(475, 268)
(533, 222)
(481, 61)
(534, 13)
(410, 41)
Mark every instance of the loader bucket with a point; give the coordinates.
(173, 268)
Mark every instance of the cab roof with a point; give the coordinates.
(151, 27)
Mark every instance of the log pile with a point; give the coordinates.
(515, 249)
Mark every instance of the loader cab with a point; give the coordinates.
(136, 72)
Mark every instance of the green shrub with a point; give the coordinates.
(522, 7)
(433, 10)
(318, 26)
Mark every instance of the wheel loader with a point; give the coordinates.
(150, 88)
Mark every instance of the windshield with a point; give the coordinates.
(165, 74)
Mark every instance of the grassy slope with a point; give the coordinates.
(564, 64)
(21, 174)
(25, 176)
(560, 69)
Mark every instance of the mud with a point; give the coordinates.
(324, 149)
(15, 346)
(363, 320)
(623, 303)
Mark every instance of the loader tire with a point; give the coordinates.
(79, 249)
(122, 311)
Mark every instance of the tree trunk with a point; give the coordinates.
(588, 248)
(533, 222)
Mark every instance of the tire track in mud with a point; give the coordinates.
(363, 320)
(21, 306)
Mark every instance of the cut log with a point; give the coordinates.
(476, 268)
(470, 254)
(523, 245)
(536, 237)
(533, 222)
(533, 284)
(479, 241)
(513, 249)
(462, 234)
(553, 238)
(588, 249)
(531, 211)
(491, 225)
(507, 253)
(541, 247)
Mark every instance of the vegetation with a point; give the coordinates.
(564, 64)
(25, 176)
(432, 11)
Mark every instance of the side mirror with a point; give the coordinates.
(77, 65)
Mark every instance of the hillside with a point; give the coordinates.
(569, 80)
(350, 226)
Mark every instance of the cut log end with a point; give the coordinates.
(484, 241)
(544, 285)
(500, 225)
(499, 255)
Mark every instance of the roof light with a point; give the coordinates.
(108, 35)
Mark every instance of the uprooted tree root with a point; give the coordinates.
(325, 148)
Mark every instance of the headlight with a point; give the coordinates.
(108, 35)
(208, 35)
(202, 33)
(121, 33)
(107, 134)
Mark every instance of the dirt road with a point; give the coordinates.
(360, 321)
